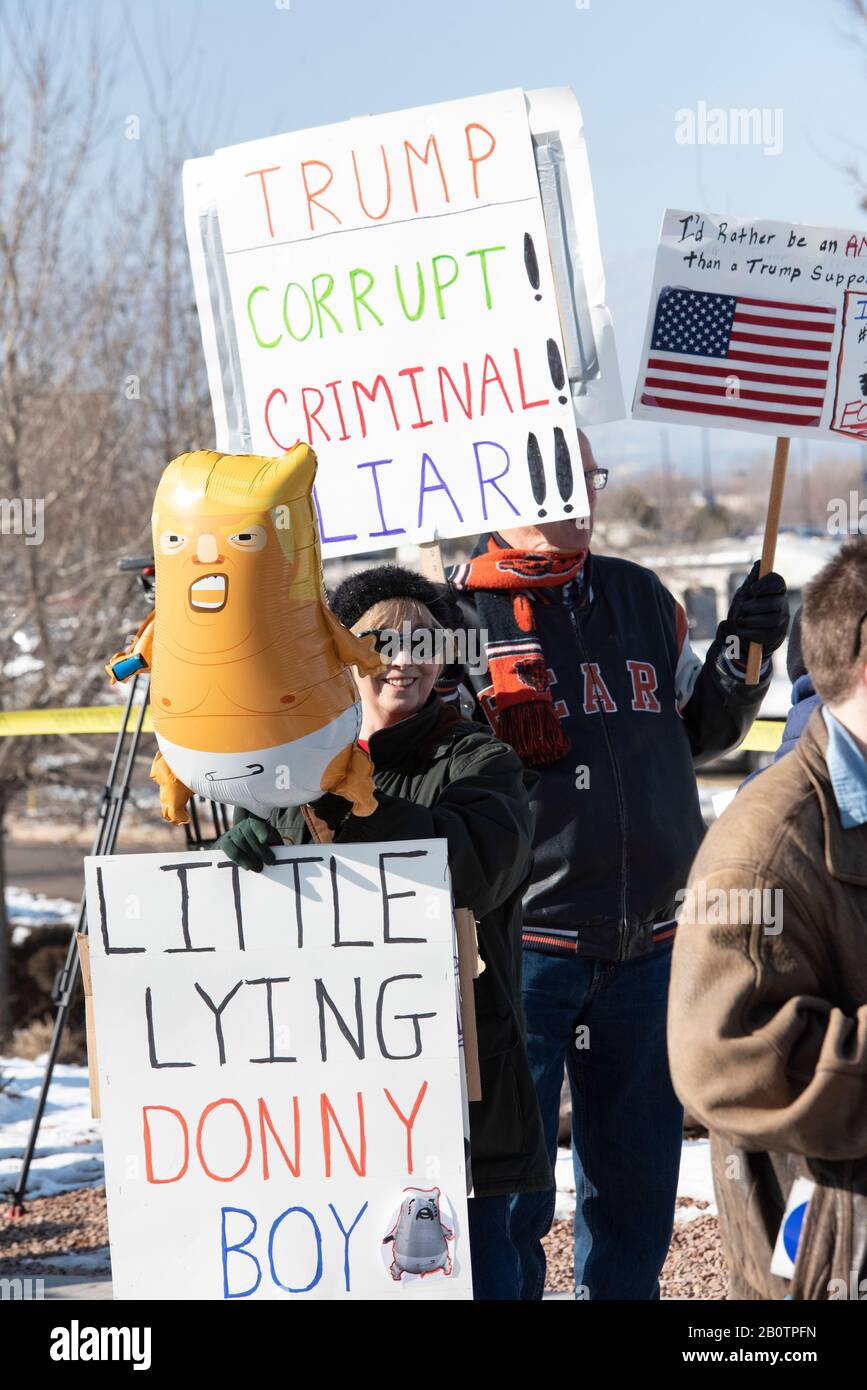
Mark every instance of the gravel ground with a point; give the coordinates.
(57, 1235)
(694, 1268)
(68, 1233)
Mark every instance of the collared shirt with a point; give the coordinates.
(847, 768)
(577, 592)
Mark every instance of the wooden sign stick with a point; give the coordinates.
(430, 561)
(769, 546)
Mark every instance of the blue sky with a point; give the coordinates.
(264, 65)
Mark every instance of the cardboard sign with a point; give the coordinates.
(420, 297)
(755, 326)
(850, 399)
(280, 1075)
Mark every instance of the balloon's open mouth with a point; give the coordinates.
(208, 594)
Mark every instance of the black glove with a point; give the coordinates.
(332, 808)
(759, 612)
(248, 844)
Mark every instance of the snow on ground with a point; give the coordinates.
(27, 910)
(69, 1148)
(695, 1182)
(69, 1152)
(96, 1262)
(695, 1175)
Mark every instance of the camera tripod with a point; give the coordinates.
(109, 814)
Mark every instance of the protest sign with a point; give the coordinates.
(756, 325)
(280, 1074)
(420, 297)
(850, 396)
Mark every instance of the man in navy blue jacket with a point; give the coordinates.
(592, 679)
(804, 697)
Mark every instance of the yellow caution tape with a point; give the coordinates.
(765, 736)
(96, 719)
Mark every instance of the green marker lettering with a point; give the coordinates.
(482, 253)
(319, 301)
(299, 337)
(440, 285)
(360, 298)
(413, 318)
(259, 289)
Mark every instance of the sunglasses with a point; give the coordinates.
(596, 478)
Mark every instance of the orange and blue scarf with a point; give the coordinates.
(501, 581)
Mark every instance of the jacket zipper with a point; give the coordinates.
(618, 785)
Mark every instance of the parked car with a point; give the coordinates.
(705, 581)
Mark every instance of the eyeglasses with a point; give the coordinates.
(596, 478)
(856, 645)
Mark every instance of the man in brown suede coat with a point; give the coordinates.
(767, 1025)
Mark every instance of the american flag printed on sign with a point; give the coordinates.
(744, 359)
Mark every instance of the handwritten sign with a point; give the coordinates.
(384, 289)
(280, 1074)
(850, 399)
(755, 326)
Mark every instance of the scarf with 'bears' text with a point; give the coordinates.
(499, 580)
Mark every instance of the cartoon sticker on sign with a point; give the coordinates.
(384, 290)
(420, 1237)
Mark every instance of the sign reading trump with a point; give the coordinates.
(420, 297)
(280, 1074)
(757, 326)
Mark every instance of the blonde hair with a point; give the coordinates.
(213, 482)
(393, 613)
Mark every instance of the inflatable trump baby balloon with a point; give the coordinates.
(252, 701)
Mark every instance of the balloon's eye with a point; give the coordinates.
(252, 538)
(172, 541)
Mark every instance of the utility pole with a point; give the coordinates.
(707, 477)
(806, 508)
(665, 464)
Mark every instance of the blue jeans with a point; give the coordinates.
(496, 1268)
(626, 1120)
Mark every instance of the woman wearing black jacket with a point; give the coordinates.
(440, 776)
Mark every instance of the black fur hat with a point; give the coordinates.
(359, 592)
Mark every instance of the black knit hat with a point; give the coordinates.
(355, 595)
(794, 657)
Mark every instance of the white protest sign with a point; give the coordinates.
(756, 326)
(850, 395)
(280, 1075)
(384, 289)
